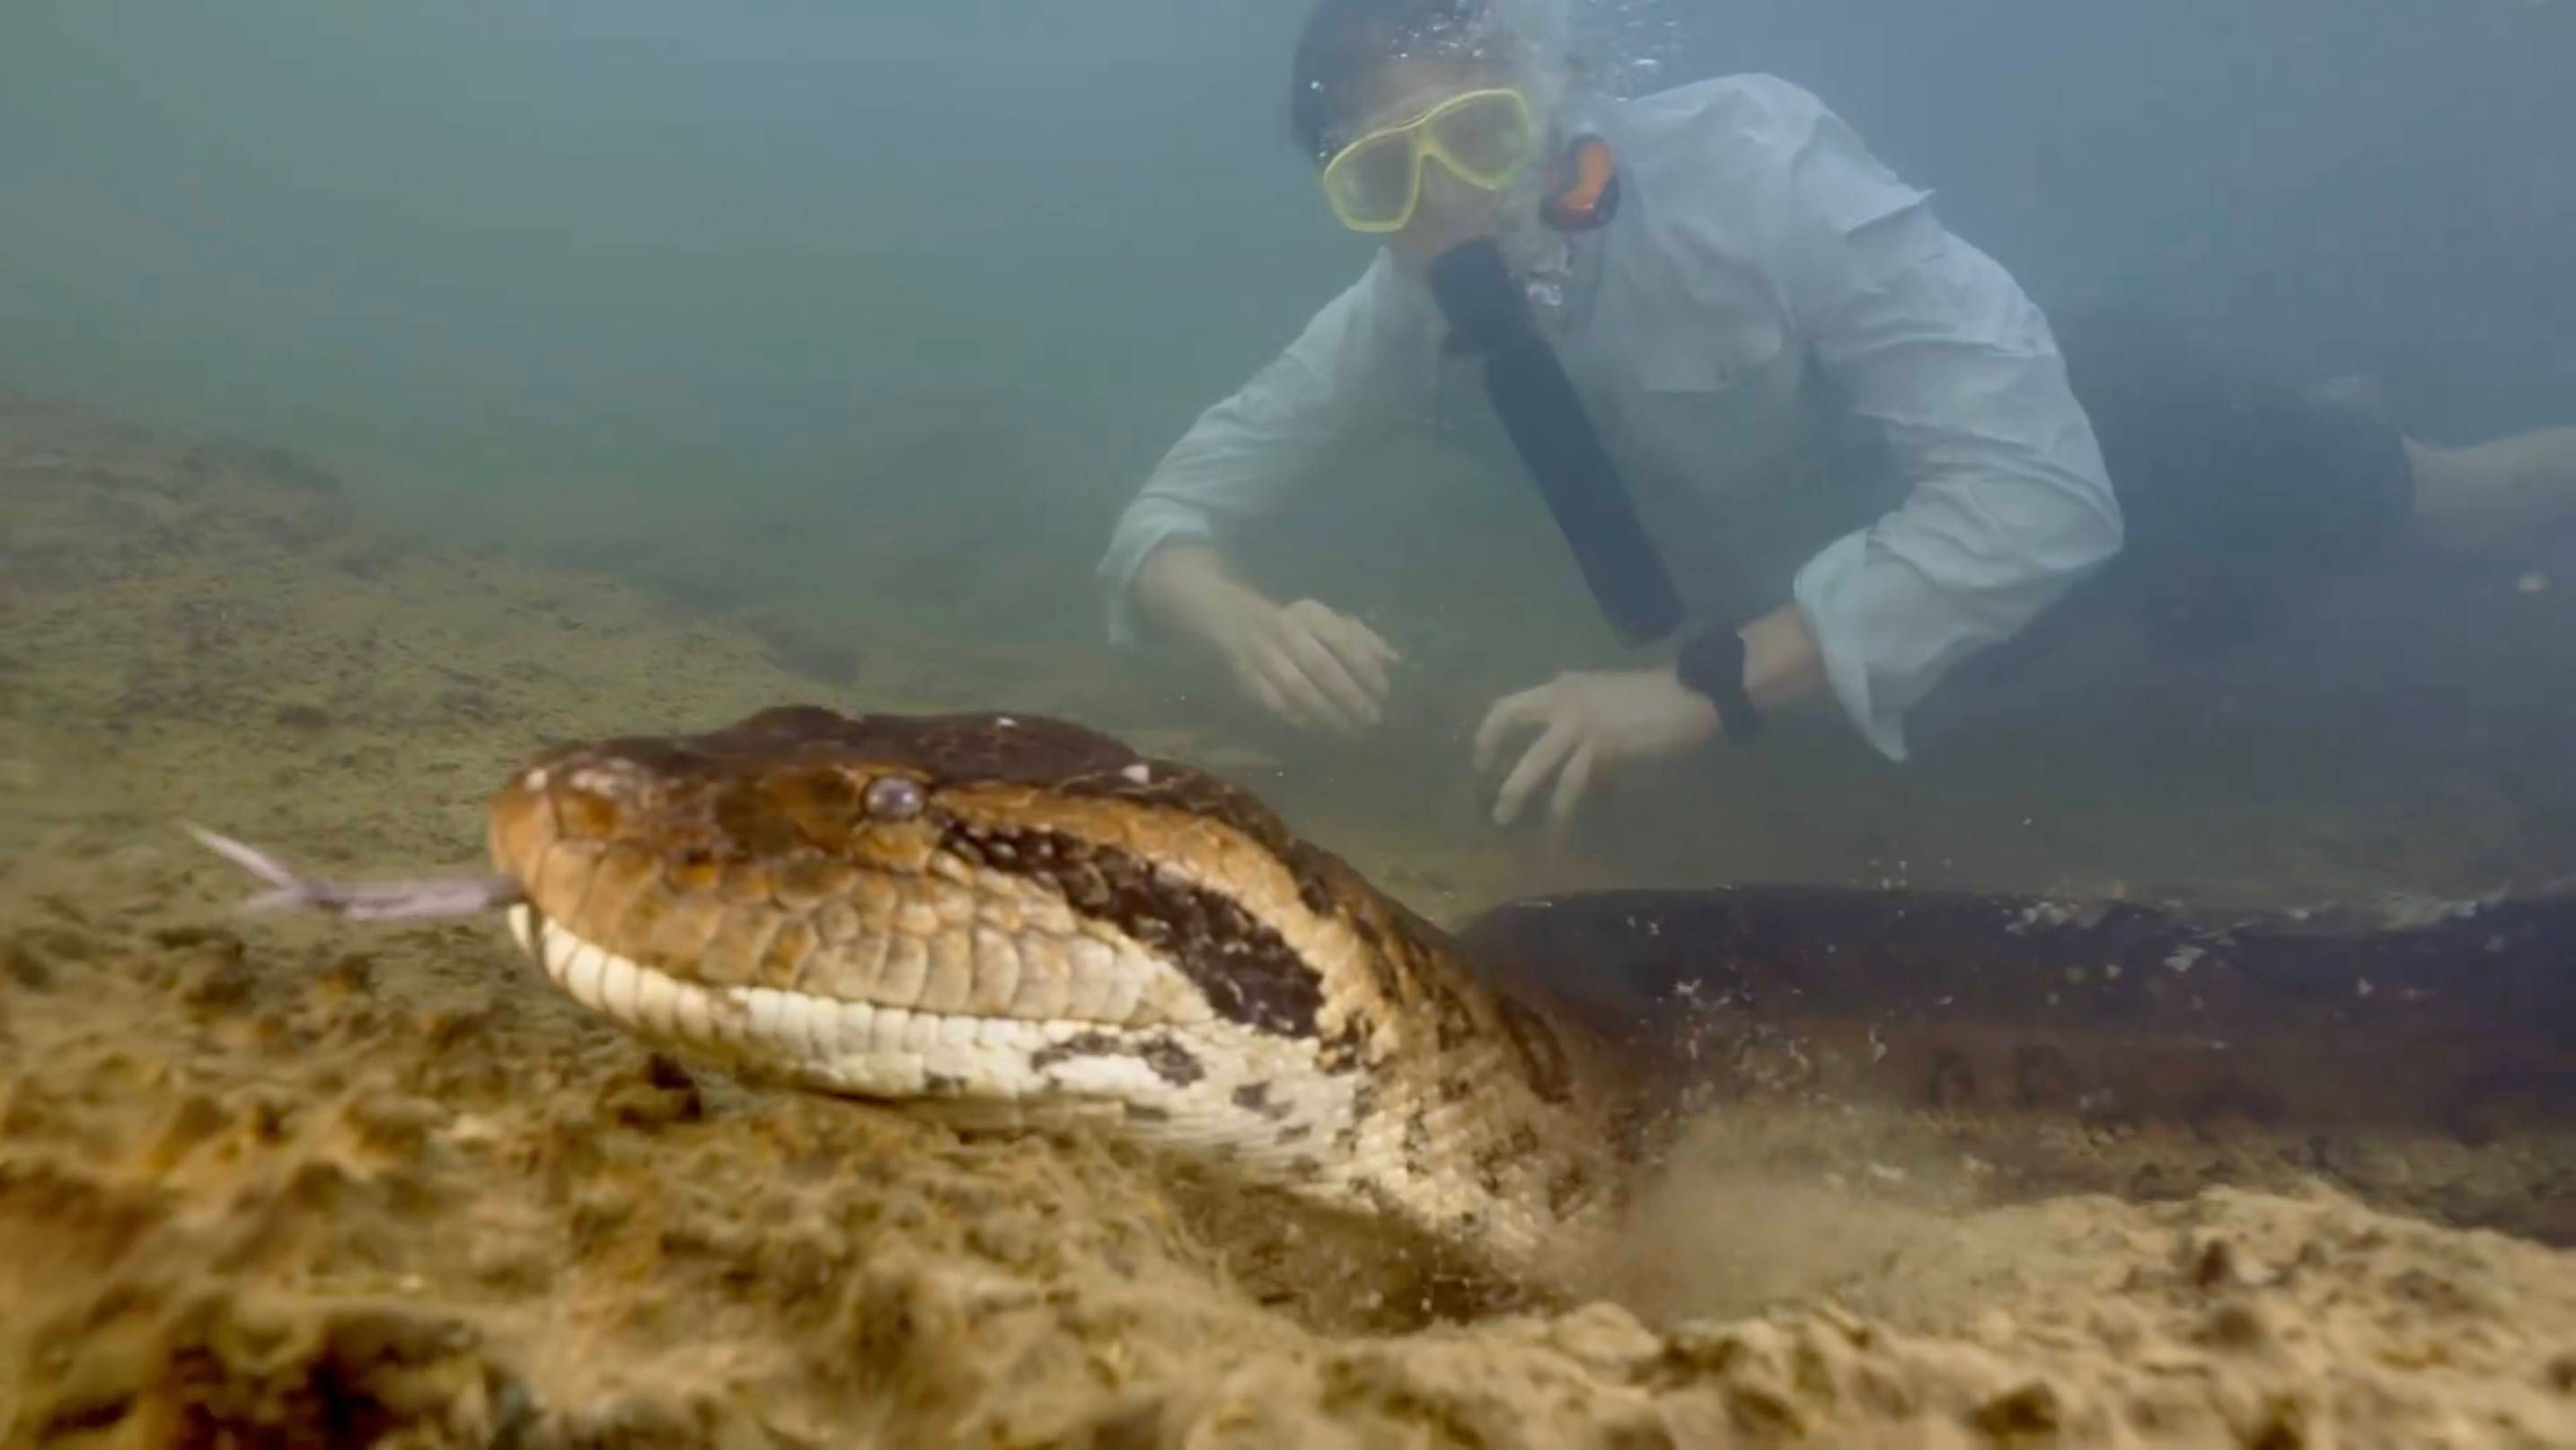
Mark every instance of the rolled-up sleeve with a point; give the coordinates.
(2008, 503)
(1358, 364)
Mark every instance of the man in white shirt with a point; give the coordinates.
(1724, 273)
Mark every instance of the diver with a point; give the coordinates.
(1691, 288)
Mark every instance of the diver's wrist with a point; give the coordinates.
(1782, 663)
(1186, 590)
(1713, 665)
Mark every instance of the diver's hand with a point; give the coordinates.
(1589, 722)
(1307, 663)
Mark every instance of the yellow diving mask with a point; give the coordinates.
(1482, 137)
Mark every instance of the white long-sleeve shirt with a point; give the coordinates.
(1762, 267)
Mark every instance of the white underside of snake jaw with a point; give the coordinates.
(1212, 1089)
(1216, 1092)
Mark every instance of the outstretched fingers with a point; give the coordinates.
(1562, 739)
(1526, 707)
(1348, 704)
(1571, 783)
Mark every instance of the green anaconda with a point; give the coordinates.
(1015, 920)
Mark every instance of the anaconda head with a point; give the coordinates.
(1021, 920)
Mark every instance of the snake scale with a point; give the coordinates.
(1009, 921)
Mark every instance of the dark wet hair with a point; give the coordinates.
(1346, 42)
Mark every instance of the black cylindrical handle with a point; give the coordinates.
(1544, 417)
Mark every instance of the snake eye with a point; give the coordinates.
(894, 798)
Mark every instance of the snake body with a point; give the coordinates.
(1017, 920)
(1009, 921)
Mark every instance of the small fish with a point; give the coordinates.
(399, 900)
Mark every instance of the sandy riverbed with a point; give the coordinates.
(286, 1182)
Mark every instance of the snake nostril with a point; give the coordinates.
(894, 798)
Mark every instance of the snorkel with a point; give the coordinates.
(1489, 317)
(1536, 401)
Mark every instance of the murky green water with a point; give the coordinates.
(861, 325)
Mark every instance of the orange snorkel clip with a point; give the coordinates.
(1582, 186)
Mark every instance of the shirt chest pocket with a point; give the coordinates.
(1713, 411)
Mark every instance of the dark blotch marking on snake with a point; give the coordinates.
(1377, 1196)
(1566, 1189)
(1345, 1050)
(1495, 1161)
(1169, 1060)
(1386, 959)
(1551, 1077)
(1417, 1140)
(1346, 1139)
(1452, 1022)
(1254, 1097)
(1249, 974)
(1363, 1102)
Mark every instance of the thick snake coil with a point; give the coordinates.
(1020, 922)
(1009, 920)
